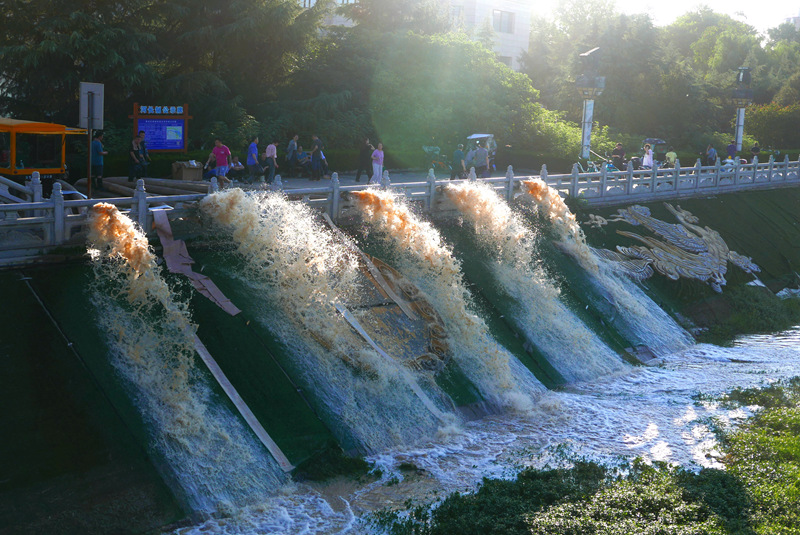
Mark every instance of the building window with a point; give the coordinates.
(505, 60)
(503, 21)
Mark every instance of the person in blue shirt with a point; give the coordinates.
(97, 159)
(711, 155)
(253, 166)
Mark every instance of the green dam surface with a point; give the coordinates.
(82, 457)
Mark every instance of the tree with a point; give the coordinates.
(49, 46)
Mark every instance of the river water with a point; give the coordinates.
(651, 412)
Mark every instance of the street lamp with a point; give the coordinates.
(741, 97)
(589, 86)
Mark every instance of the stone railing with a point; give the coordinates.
(31, 226)
(622, 187)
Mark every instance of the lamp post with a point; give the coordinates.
(589, 86)
(742, 96)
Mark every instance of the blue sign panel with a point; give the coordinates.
(163, 134)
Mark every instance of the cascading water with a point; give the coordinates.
(216, 461)
(300, 273)
(571, 347)
(426, 260)
(637, 313)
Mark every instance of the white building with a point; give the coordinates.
(795, 21)
(509, 19)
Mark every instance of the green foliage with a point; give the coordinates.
(650, 501)
(752, 310)
(774, 125)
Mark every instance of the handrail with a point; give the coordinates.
(57, 221)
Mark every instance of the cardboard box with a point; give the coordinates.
(187, 171)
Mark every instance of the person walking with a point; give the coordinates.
(365, 160)
(291, 155)
(253, 167)
(271, 156)
(144, 155)
(134, 160)
(458, 167)
(731, 150)
(618, 157)
(377, 161)
(647, 159)
(482, 161)
(711, 155)
(222, 155)
(316, 157)
(97, 159)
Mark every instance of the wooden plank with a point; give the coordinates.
(373, 271)
(242, 407)
(411, 382)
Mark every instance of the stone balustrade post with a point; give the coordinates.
(140, 198)
(629, 185)
(573, 189)
(334, 207)
(385, 180)
(698, 167)
(472, 177)
(603, 179)
(277, 183)
(509, 184)
(676, 174)
(57, 198)
(213, 185)
(431, 191)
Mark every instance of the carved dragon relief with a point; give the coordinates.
(685, 250)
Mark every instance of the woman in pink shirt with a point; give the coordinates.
(377, 162)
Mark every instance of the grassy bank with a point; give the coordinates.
(757, 493)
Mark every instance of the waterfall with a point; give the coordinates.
(299, 274)
(637, 314)
(430, 264)
(571, 347)
(214, 458)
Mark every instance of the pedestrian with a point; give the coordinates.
(482, 161)
(469, 160)
(291, 155)
(377, 161)
(253, 167)
(671, 157)
(222, 156)
(458, 168)
(647, 159)
(143, 152)
(755, 150)
(365, 160)
(711, 155)
(618, 157)
(316, 157)
(134, 159)
(210, 167)
(236, 169)
(731, 150)
(271, 155)
(97, 159)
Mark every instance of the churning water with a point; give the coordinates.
(636, 314)
(648, 412)
(299, 271)
(569, 345)
(215, 460)
(430, 264)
